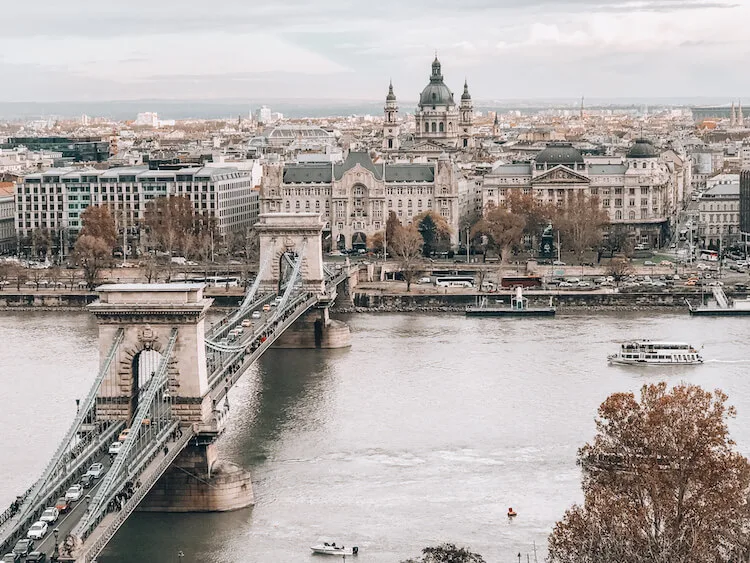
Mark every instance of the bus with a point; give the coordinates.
(710, 255)
(222, 281)
(454, 281)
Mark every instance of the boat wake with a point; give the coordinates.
(713, 361)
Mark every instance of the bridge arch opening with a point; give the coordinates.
(144, 366)
(286, 268)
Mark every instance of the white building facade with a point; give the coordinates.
(354, 198)
(637, 192)
(56, 198)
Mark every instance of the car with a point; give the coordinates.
(96, 470)
(606, 283)
(115, 447)
(62, 505)
(86, 481)
(565, 284)
(74, 493)
(255, 315)
(266, 307)
(11, 558)
(573, 280)
(123, 435)
(424, 280)
(649, 263)
(676, 277)
(558, 263)
(658, 284)
(50, 515)
(36, 557)
(666, 263)
(23, 547)
(691, 282)
(38, 530)
(703, 266)
(584, 284)
(247, 322)
(740, 287)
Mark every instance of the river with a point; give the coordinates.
(425, 431)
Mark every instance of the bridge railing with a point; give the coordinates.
(157, 383)
(140, 492)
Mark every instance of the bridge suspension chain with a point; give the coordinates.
(106, 490)
(84, 411)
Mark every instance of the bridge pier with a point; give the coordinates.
(315, 329)
(198, 481)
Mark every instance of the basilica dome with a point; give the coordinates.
(436, 93)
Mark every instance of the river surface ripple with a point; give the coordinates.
(425, 431)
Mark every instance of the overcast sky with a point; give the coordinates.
(52, 50)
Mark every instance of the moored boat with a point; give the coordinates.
(326, 548)
(647, 352)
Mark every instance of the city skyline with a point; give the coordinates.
(321, 50)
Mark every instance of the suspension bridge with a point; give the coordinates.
(162, 393)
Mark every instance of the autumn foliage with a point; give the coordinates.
(662, 483)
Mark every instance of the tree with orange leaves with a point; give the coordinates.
(662, 483)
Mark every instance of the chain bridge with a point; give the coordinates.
(161, 392)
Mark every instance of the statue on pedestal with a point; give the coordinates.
(547, 248)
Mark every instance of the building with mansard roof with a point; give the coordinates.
(355, 197)
(636, 190)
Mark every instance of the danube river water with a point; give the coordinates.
(425, 431)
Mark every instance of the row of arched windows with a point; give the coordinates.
(436, 127)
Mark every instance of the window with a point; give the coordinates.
(441, 127)
(632, 203)
(631, 215)
(605, 203)
(434, 127)
(618, 203)
(390, 143)
(618, 215)
(426, 127)
(644, 165)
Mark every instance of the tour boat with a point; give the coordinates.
(646, 352)
(326, 548)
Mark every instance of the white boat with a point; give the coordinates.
(647, 352)
(326, 548)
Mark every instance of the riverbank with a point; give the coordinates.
(374, 301)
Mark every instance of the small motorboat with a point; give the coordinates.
(512, 513)
(326, 548)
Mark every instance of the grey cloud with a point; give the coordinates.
(141, 17)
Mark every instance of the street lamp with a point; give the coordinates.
(56, 552)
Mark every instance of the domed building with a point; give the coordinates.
(639, 191)
(441, 125)
(438, 118)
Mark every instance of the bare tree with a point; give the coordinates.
(37, 276)
(662, 482)
(92, 254)
(502, 228)
(7, 271)
(581, 222)
(407, 249)
(619, 269)
(54, 274)
(71, 276)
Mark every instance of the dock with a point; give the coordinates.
(518, 307)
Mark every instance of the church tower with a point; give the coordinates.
(496, 127)
(390, 123)
(466, 120)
